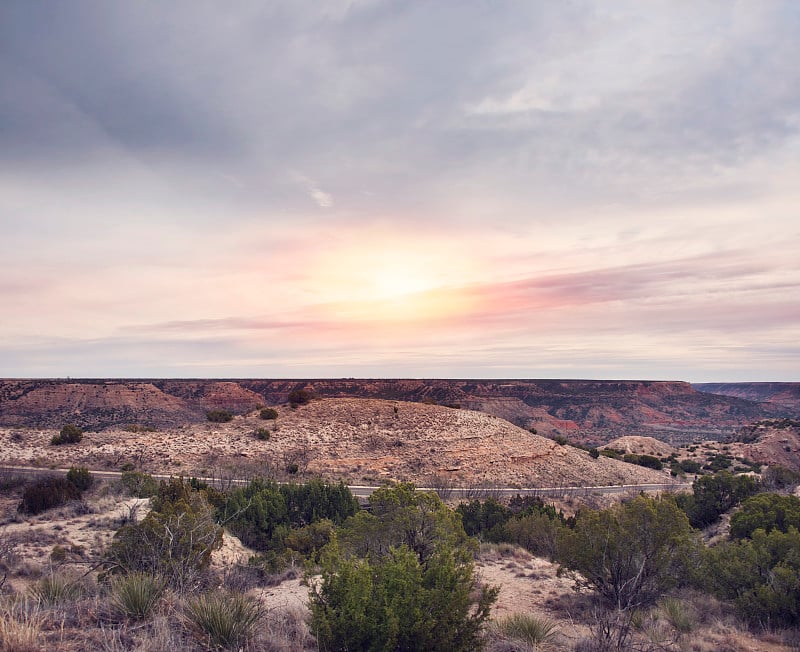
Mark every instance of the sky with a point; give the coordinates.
(400, 189)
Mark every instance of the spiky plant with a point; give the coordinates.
(227, 620)
(135, 595)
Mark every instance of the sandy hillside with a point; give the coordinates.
(641, 446)
(359, 440)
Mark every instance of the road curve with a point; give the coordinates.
(364, 491)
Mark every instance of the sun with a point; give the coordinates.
(394, 279)
(384, 280)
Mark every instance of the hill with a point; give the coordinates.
(359, 440)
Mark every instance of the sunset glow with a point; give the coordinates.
(471, 190)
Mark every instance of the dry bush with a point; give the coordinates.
(286, 629)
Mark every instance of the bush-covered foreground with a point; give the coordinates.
(402, 574)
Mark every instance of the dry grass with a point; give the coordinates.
(20, 627)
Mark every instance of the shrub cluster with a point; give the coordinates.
(70, 434)
(219, 416)
(264, 513)
(299, 397)
(81, 478)
(47, 493)
(268, 414)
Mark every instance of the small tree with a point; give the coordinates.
(175, 540)
(630, 554)
(415, 590)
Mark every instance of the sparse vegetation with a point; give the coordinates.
(263, 434)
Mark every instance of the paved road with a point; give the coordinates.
(364, 491)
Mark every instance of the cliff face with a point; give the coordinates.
(785, 394)
(592, 411)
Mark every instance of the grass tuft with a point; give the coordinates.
(135, 595)
(677, 614)
(227, 620)
(52, 590)
(530, 629)
(20, 628)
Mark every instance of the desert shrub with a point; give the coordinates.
(316, 500)
(140, 485)
(761, 576)
(300, 397)
(262, 433)
(54, 589)
(292, 468)
(268, 414)
(219, 416)
(528, 628)
(175, 540)
(397, 602)
(415, 567)
(309, 540)
(486, 519)
(135, 595)
(537, 533)
(631, 553)
(80, 478)
(47, 493)
(225, 620)
(713, 495)
(690, 466)
(613, 453)
(650, 462)
(560, 440)
(263, 513)
(70, 434)
(399, 515)
(594, 453)
(766, 512)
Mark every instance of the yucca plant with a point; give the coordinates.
(54, 589)
(226, 619)
(677, 614)
(530, 629)
(136, 594)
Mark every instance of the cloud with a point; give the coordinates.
(608, 172)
